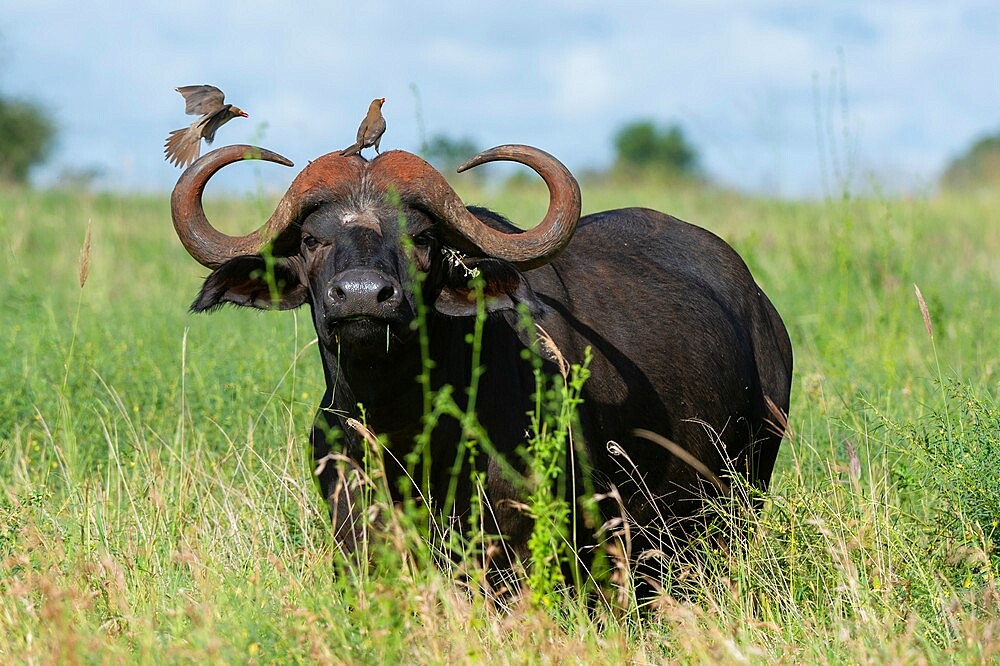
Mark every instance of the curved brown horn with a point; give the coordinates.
(418, 181)
(209, 246)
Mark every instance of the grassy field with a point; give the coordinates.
(157, 503)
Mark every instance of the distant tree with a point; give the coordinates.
(978, 166)
(27, 135)
(81, 178)
(446, 153)
(644, 144)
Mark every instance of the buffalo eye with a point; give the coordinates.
(309, 241)
(423, 239)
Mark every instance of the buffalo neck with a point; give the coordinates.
(387, 383)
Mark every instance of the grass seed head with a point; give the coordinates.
(923, 311)
(85, 258)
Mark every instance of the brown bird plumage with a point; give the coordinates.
(371, 130)
(183, 145)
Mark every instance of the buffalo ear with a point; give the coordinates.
(503, 286)
(247, 282)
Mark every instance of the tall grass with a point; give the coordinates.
(158, 502)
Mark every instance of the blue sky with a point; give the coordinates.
(757, 85)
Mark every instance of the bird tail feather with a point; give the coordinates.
(182, 147)
(351, 150)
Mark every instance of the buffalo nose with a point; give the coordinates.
(363, 292)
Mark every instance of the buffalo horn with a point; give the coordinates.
(419, 183)
(325, 178)
(209, 246)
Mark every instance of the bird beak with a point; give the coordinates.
(381, 101)
(244, 114)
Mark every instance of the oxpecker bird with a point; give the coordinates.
(371, 130)
(208, 102)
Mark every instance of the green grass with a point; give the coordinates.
(158, 504)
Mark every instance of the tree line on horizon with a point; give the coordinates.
(640, 146)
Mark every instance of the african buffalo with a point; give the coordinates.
(684, 342)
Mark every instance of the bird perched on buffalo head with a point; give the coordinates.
(371, 130)
(183, 145)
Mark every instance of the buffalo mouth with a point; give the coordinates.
(367, 332)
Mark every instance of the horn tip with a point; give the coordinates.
(257, 153)
(469, 163)
(488, 155)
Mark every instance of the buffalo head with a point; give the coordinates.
(344, 234)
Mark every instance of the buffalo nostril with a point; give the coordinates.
(362, 291)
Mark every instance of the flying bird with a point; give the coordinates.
(183, 145)
(371, 130)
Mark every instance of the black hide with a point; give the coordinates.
(684, 342)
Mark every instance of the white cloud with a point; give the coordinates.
(581, 80)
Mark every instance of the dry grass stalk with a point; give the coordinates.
(923, 311)
(779, 424)
(85, 258)
(853, 460)
(686, 457)
(365, 432)
(551, 350)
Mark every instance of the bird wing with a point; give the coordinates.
(214, 121)
(375, 130)
(201, 100)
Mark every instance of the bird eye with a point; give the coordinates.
(309, 241)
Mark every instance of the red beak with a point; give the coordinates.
(244, 114)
